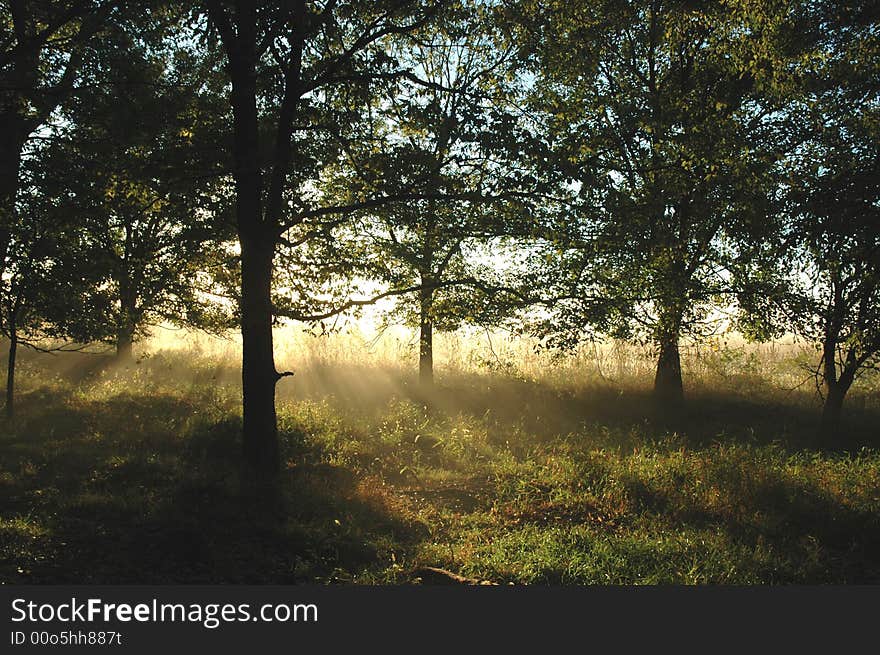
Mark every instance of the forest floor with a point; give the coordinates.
(132, 476)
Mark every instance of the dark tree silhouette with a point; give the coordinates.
(288, 63)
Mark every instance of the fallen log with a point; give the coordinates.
(438, 576)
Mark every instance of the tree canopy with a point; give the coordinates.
(652, 170)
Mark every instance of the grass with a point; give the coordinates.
(514, 471)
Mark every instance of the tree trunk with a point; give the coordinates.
(125, 329)
(426, 339)
(258, 374)
(836, 388)
(10, 163)
(16, 120)
(10, 375)
(832, 410)
(668, 387)
(124, 341)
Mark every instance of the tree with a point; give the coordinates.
(820, 275)
(838, 229)
(43, 47)
(147, 189)
(659, 134)
(440, 135)
(47, 291)
(290, 66)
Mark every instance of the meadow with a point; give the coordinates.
(519, 468)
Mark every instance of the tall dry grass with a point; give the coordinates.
(783, 369)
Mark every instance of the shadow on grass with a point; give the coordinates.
(726, 514)
(141, 490)
(143, 486)
(814, 536)
(766, 416)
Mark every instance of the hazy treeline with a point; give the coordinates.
(646, 170)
